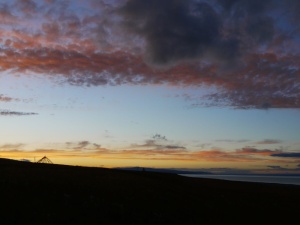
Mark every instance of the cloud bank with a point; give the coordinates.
(246, 49)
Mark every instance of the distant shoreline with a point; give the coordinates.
(196, 172)
(261, 178)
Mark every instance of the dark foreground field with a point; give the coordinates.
(51, 194)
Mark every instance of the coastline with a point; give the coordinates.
(264, 178)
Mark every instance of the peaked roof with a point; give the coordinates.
(45, 160)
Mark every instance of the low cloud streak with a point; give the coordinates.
(16, 113)
(287, 155)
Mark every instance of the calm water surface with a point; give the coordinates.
(252, 178)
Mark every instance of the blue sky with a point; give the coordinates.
(187, 84)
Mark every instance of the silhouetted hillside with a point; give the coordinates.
(38, 194)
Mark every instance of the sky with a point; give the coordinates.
(191, 84)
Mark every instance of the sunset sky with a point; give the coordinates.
(209, 85)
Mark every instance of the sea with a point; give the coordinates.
(295, 180)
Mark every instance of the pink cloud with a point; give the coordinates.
(4, 98)
(254, 151)
(252, 62)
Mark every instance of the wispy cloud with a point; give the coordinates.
(4, 98)
(275, 167)
(254, 151)
(159, 137)
(232, 141)
(158, 142)
(268, 142)
(152, 144)
(16, 113)
(11, 146)
(83, 145)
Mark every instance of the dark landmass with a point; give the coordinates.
(261, 174)
(199, 172)
(162, 170)
(39, 194)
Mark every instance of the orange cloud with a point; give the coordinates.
(88, 150)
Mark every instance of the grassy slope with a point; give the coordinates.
(52, 194)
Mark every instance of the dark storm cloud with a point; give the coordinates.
(287, 155)
(178, 30)
(240, 7)
(15, 113)
(250, 15)
(222, 30)
(243, 39)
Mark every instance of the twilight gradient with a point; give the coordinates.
(198, 84)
